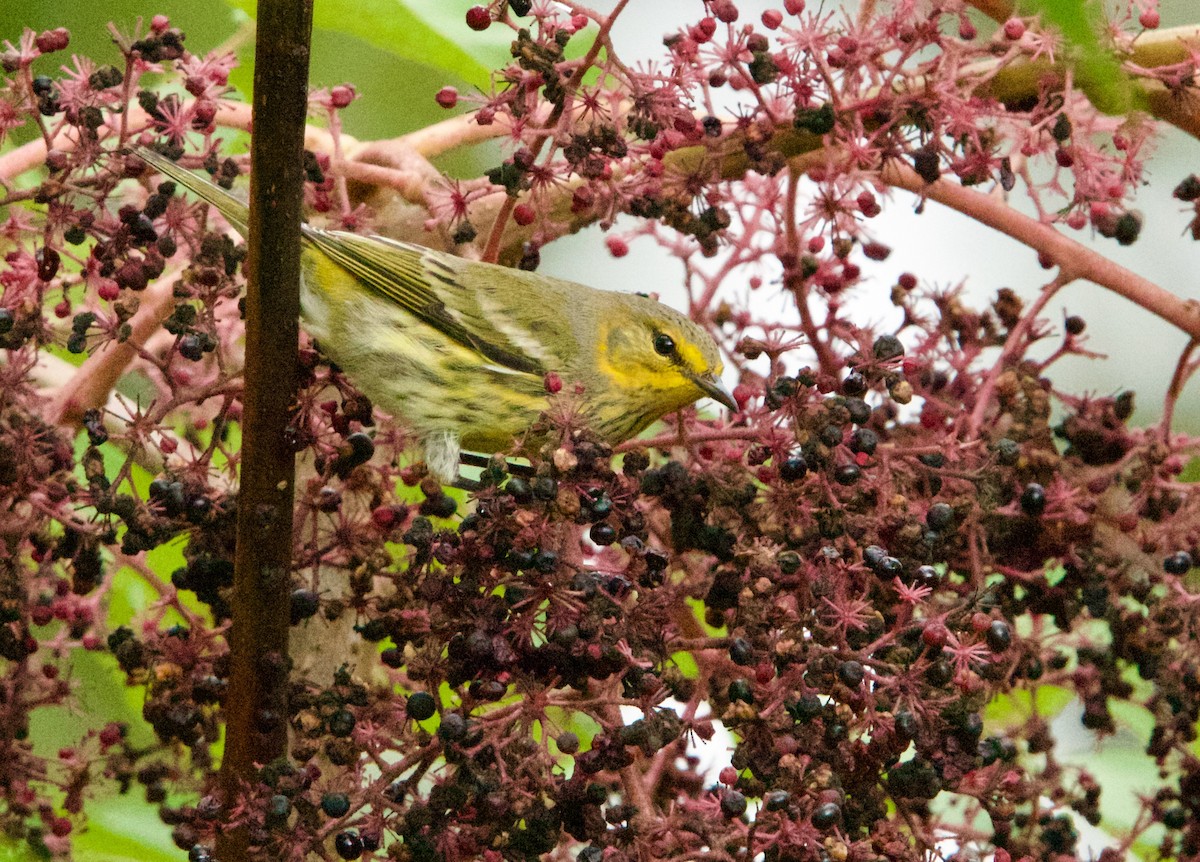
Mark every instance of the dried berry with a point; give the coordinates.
(733, 803)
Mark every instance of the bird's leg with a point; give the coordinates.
(465, 484)
(471, 460)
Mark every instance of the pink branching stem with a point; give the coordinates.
(693, 436)
(1073, 259)
(95, 378)
(1184, 369)
(491, 251)
(1015, 345)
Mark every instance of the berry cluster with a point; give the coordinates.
(895, 533)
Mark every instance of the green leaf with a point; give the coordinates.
(1098, 72)
(391, 26)
(1014, 708)
(125, 829)
(489, 47)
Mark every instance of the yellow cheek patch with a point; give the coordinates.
(691, 357)
(632, 368)
(619, 373)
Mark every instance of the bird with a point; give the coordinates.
(462, 351)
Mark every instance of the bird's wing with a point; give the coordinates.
(428, 285)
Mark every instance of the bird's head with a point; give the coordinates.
(664, 357)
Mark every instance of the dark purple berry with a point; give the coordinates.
(939, 517)
(1189, 189)
(191, 346)
(420, 706)
(568, 742)
(335, 804)
(854, 384)
(1179, 563)
(304, 605)
(733, 804)
(826, 816)
(851, 673)
(793, 468)
(864, 441)
(740, 690)
(999, 636)
(1033, 500)
(348, 845)
(602, 533)
(453, 727)
(847, 474)
(887, 347)
(776, 800)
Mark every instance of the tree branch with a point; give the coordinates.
(256, 708)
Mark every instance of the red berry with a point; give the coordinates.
(523, 214)
(478, 18)
(725, 10)
(582, 200)
(876, 251)
(728, 775)
(772, 18)
(707, 26)
(1014, 28)
(552, 382)
(907, 281)
(384, 517)
(617, 247)
(793, 7)
(742, 395)
(159, 23)
(966, 30)
(935, 635)
(1149, 19)
(341, 95)
(110, 735)
(447, 97)
(53, 40)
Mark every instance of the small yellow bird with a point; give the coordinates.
(460, 350)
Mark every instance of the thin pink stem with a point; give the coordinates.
(1073, 259)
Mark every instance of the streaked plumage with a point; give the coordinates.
(459, 350)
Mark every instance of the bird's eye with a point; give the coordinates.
(664, 345)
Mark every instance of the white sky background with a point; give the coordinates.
(944, 248)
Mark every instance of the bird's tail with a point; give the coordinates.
(235, 211)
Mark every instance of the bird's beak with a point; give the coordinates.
(711, 385)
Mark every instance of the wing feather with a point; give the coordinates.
(401, 273)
